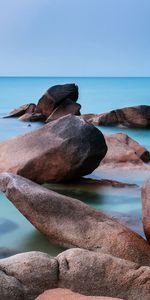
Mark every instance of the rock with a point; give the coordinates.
(71, 223)
(62, 150)
(54, 96)
(27, 275)
(27, 108)
(146, 208)
(136, 116)
(29, 117)
(140, 151)
(96, 274)
(124, 152)
(66, 107)
(64, 91)
(65, 294)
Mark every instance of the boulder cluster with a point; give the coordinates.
(105, 258)
(58, 101)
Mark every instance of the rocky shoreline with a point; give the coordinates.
(105, 258)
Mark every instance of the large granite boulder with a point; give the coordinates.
(124, 152)
(136, 116)
(71, 223)
(62, 150)
(27, 275)
(146, 208)
(65, 294)
(54, 96)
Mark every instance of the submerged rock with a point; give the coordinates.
(27, 275)
(134, 116)
(146, 208)
(71, 223)
(65, 294)
(6, 252)
(61, 150)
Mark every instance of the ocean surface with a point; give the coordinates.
(96, 95)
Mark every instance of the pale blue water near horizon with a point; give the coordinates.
(96, 95)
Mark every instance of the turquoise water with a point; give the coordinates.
(96, 95)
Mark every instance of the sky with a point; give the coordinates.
(74, 37)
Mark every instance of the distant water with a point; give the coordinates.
(96, 95)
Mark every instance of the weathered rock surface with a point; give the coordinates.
(140, 151)
(65, 294)
(65, 108)
(71, 223)
(27, 108)
(55, 96)
(27, 275)
(124, 152)
(146, 208)
(61, 150)
(136, 116)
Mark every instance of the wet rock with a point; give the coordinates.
(136, 117)
(71, 223)
(27, 108)
(61, 150)
(66, 107)
(146, 208)
(65, 294)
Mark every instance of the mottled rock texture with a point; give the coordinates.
(71, 223)
(62, 150)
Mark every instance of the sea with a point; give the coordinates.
(96, 95)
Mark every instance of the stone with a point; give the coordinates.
(18, 112)
(70, 223)
(27, 275)
(62, 150)
(65, 294)
(29, 117)
(91, 273)
(54, 96)
(140, 151)
(146, 208)
(66, 107)
(134, 116)
(124, 152)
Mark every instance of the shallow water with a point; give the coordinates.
(96, 95)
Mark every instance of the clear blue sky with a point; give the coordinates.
(75, 37)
